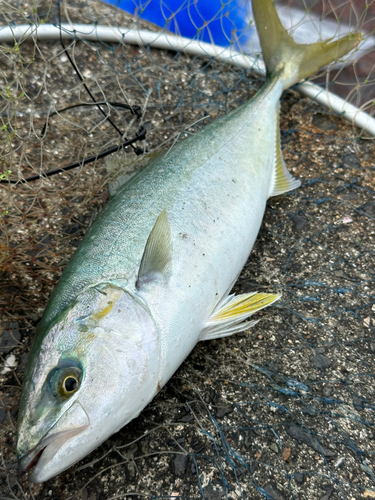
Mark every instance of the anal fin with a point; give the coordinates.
(231, 315)
(283, 181)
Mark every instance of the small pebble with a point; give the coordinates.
(10, 364)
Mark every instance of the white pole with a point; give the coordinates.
(91, 32)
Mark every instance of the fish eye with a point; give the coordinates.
(65, 381)
(69, 385)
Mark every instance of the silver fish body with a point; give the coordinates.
(151, 279)
(214, 187)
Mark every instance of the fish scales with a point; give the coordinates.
(153, 274)
(213, 176)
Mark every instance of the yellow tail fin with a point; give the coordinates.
(292, 61)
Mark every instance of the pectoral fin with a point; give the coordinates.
(157, 256)
(231, 314)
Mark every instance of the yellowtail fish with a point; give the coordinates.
(154, 272)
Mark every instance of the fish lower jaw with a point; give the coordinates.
(32, 462)
(44, 451)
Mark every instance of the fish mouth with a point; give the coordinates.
(49, 445)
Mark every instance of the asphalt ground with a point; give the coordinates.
(285, 409)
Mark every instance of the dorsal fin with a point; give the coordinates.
(283, 181)
(157, 256)
(121, 168)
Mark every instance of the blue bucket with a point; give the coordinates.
(214, 21)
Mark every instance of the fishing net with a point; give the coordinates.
(284, 410)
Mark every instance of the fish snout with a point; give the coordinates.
(73, 422)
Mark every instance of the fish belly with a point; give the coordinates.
(215, 210)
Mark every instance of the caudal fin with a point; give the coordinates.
(293, 61)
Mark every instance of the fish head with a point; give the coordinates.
(91, 372)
